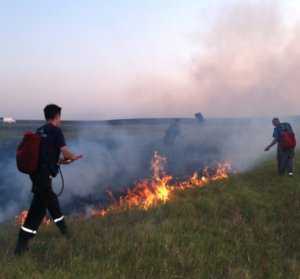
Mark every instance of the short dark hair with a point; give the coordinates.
(51, 111)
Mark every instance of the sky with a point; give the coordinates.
(151, 58)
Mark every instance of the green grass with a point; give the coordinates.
(245, 227)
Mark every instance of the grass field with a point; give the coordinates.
(245, 227)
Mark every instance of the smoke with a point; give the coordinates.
(13, 187)
(112, 159)
(116, 156)
(250, 59)
(246, 65)
(247, 55)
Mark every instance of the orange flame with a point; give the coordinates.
(21, 218)
(148, 193)
(158, 190)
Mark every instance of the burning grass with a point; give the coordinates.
(159, 189)
(149, 193)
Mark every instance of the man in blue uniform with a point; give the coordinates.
(52, 145)
(172, 133)
(285, 157)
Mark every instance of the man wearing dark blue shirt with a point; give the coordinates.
(285, 157)
(172, 133)
(52, 145)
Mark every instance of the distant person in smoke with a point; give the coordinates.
(172, 133)
(52, 145)
(284, 137)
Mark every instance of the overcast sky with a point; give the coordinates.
(151, 58)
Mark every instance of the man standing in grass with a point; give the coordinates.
(52, 145)
(284, 137)
(172, 133)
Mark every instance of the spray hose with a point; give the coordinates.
(62, 183)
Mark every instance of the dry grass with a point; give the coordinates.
(246, 227)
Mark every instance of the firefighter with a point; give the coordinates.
(284, 137)
(52, 145)
(172, 133)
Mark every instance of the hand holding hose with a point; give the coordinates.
(68, 156)
(67, 161)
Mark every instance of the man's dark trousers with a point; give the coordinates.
(43, 199)
(285, 159)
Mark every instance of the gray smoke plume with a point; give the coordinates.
(115, 157)
(112, 158)
(249, 62)
(247, 65)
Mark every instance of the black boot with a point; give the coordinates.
(63, 229)
(22, 243)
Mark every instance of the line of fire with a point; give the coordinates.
(157, 190)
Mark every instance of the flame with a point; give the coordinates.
(159, 189)
(21, 218)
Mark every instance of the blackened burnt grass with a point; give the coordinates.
(245, 227)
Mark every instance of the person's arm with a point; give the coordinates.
(68, 156)
(271, 144)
